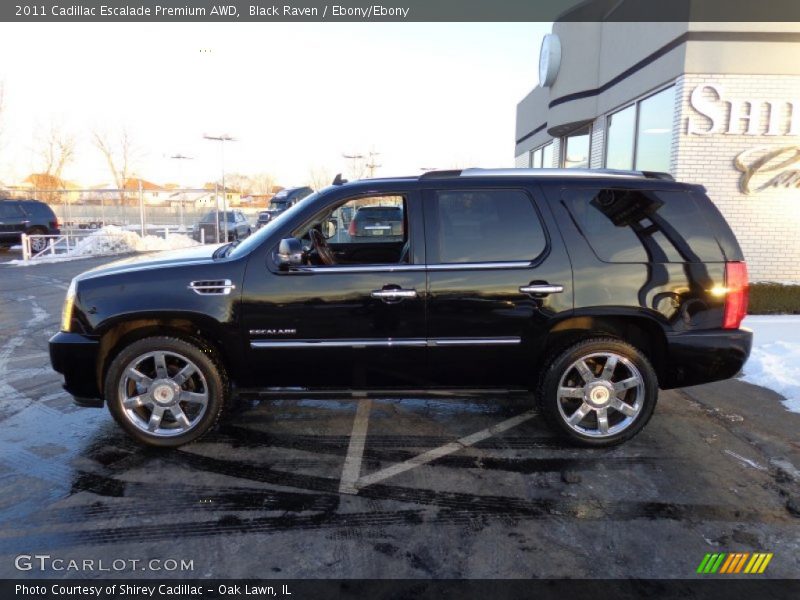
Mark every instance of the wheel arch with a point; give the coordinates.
(192, 327)
(645, 333)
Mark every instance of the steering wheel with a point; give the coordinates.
(320, 244)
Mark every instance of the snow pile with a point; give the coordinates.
(115, 240)
(774, 362)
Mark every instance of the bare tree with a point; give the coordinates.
(120, 156)
(261, 184)
(239, 182)
(318, 178)
(56, 150)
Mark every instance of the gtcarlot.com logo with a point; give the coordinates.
(732, 563)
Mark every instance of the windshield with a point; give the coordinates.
(209, 218)
(253, 241)
(278, 204)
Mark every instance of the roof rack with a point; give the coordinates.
(473, 172)
(441, 174)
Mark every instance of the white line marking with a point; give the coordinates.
(746, 461)
(355, 451)
(450, 448)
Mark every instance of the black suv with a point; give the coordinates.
(26, 216)
(591, 288)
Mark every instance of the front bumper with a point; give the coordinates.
(75, 357)
(705, 356)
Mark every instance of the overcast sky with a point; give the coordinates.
(295, 95)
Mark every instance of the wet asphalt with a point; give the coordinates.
(716, 470)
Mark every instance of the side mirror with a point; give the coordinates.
(329, 228)
(290, 253)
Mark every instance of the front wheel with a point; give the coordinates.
(166, 391)
(599, 392)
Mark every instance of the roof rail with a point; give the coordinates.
(441, 174)
(658, 175)
(551, 173)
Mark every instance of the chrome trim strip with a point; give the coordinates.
(401, 268)
(388, 343)
(358, 269)
(498, 341)
(487, 265)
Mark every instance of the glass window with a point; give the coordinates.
(654, 132)
(547, 156)
(643, 225)
(536, 158)
(488, 226)
(619, 138)
(576, 149)
(9, 210)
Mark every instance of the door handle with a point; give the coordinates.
(393, 294)
(542, 289)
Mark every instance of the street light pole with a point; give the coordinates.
(222, 138)
(183, 193)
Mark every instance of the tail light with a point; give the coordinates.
(737, 294)
(352, 229)
(54, 224)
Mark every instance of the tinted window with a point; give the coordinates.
(10, 210)
(642, 226)
(488, 226)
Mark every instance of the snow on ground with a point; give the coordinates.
(774, 362)
(115, 240)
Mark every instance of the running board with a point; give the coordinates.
(293, 392)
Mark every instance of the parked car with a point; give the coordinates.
(264, 217)
(26, 216)
(592, 289)
(287, 198)
(238, 226)
(371, 221)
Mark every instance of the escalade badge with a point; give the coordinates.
(273, 332)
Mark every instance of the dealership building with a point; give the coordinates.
(710, 103)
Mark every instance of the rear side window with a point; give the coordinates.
(643, 225)
(10, 210)
(488, 226)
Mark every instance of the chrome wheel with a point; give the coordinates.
(163, 393)
(38, 244)
(600, 394)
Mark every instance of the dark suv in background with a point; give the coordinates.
(372, 221)
(26, 216)
(592, 289)
(214, 221)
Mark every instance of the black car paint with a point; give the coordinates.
(675, 313)
(33, 217)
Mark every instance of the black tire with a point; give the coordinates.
(630, 367)
(207, 379)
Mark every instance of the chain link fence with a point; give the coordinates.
(147, 211)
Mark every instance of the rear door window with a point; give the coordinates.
(476, 226)
(10, 210)
(654, 226)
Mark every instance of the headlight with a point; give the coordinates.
(69, 303)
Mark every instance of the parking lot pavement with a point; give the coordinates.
(312, 488)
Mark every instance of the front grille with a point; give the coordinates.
(220, 287)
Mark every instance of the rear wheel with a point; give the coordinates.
(599, 392)
(38, 244)
(166, 391)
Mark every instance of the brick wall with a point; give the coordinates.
(767, 223)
